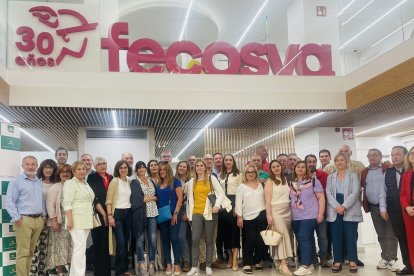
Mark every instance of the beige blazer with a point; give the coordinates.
(53, 203)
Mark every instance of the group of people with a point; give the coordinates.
(203, 209)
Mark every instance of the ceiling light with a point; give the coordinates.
(385, 37)
(278, 132)
(29, 135)
(382, 126)
(175, 159)
(187, 16)
(372, 24)
(358, 12)
(400, 133)
(114, 119)
(251, 23)
(346, 7)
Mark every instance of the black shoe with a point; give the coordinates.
(65, 270)
(405, 271)
(336, 268)
(258, 267)
(359, 263)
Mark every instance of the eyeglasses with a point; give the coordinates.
(101, 164)
(251, 172)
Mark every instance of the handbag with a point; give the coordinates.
(270, 236)
(212, 197)
(164, 214)
(96, 221)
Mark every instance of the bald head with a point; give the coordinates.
(346, 150)
(129, 158)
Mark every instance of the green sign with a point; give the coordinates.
(12, 256)
(5, 217)
(10, 143)
(4, 185)
(9, 270)
(10, 128)
(9, 243)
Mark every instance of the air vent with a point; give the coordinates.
(116, 133)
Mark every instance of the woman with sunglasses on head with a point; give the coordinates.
(278, 214)
(144, 217)
(182, 173)
(230, 179)
(308, 206)
(169, 193)
(204, 199)
(47, 173)
(251, 218)
(59, 251)
(118, 208)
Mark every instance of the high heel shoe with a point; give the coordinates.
(235, 255)
(284, 269)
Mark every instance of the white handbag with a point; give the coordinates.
(270, 236)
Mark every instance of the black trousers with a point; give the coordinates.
(254, 248)
(397, 221)
(102, 264)
(229, 231)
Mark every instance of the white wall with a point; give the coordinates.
(307, 143)
(112, 149)
(384, 144)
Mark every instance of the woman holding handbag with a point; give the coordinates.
(182, 172)
(170, 198)
(203, 191)
(251, 218)
(230, 179)
(278, 214)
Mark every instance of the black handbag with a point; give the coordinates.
(212, 197)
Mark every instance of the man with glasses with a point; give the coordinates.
(166, 156)
(372, 180)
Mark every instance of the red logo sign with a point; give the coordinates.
(253, 58)
(44, 42)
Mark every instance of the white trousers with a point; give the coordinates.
(78, 264)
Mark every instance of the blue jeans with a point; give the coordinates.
(344, 231)
(152, 241)
(182, 238)
(304, 230)
(122, 231)
(169, 236)
(322, 234)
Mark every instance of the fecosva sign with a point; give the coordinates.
(252, 59)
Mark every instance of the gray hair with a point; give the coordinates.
(97, 160)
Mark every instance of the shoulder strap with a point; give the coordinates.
(211, 185)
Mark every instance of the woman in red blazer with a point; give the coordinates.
(407, 199)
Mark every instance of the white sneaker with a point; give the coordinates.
(193, 271)
(311, 267)
(382, 264)
(302, 270)
(209, 271)
(392, 265)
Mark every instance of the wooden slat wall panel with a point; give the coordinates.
(232, 140)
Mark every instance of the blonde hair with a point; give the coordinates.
(250, 165)
(206, 176)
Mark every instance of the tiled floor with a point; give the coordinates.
(370, 257)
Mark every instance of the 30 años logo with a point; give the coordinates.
(44, 42)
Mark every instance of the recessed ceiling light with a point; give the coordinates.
(400, 133)
(372, 24)
(280, 131)
(385, 125)
(187, 16)
(175, 159)
(345, 8)
(251, 23)
(358, 12)
(114, 119)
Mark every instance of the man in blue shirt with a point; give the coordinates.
(25, 203)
